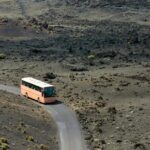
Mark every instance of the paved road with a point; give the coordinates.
(10, 89)
(66, 120)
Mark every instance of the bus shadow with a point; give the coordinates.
(57, 102)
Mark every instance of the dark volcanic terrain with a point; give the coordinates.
(25, 125)
(96, 53)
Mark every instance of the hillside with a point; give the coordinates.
(96, 53)
(25, 125)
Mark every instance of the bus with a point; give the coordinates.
(37, 90)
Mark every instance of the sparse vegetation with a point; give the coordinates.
(79, 69)
(50, 76)
(30, 138)
(2, 56)
(91, 56)
(97, 54)
(43, 147)
(22, 129)
(4, 143)
(3, 140)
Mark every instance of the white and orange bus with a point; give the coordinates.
(38, 90)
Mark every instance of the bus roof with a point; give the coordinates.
(36, 82)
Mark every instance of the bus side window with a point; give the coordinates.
(31, 86)
(39, 89)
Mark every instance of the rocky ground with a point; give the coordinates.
(97, 55)
(25, 125)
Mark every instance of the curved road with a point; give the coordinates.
(66, 120)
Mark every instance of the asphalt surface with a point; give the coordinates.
(66, 120)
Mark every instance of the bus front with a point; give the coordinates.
(49, 94)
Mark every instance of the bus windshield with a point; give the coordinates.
(49, 92)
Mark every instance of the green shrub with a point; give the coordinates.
(4, 146)
(3, 140)
(43, 147)
(4, 143)
(91, 56)
(29, 138)
(2, 56)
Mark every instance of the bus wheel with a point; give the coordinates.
(38, 99)
(26, 95)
